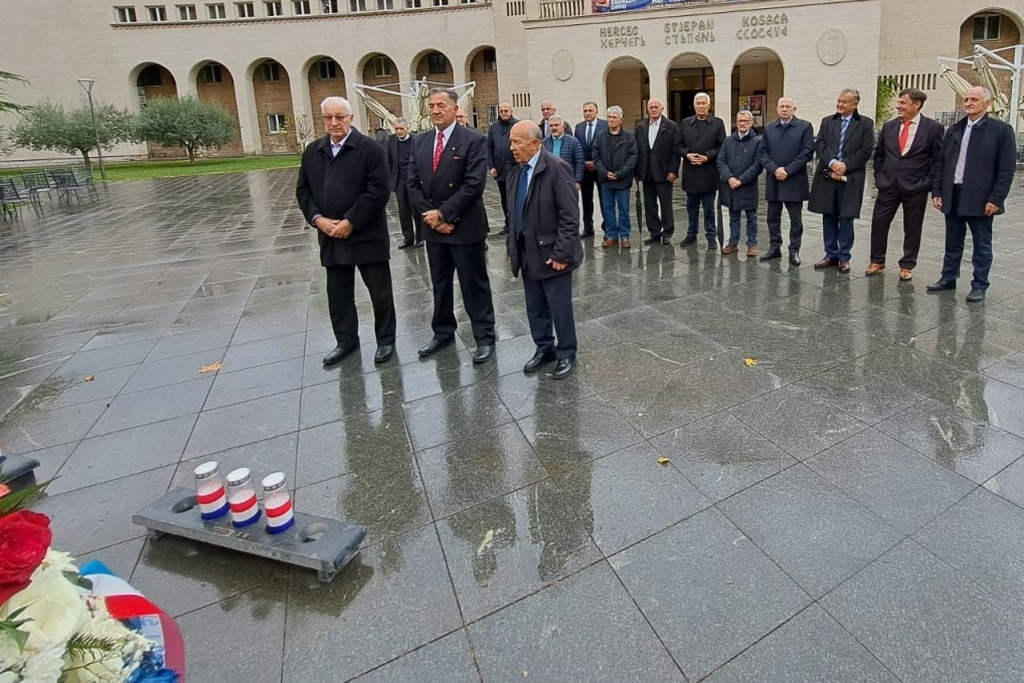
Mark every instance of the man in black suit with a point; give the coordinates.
(545, 247)
(657, 167)
(908, 149)
(586, 132)
(974, 175)
(399, 153)
(343, 192)
(844, 145)
(786, 146)
(700, 138)
(447, 176)
(499, 155)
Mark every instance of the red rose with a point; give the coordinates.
(24, 539)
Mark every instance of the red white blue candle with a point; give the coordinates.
(277, 502)
(245, 507)
(210, 492)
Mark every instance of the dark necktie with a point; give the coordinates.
(842, 139)
(590, 132)
(521, 190)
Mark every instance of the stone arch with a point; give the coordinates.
(482, 67)
(272, 99)
(687, 74)
(379, 70)
(215, 83)
(627, 84)
(1009, 32)
(151, 80)
(325, 78)
(435, 66)
(757, 82)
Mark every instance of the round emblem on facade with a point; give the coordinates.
(832, 46)
(562, 64)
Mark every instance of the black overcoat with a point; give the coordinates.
(700, 137)
(790, 147)
(740, 159)
(499, 152)
(355, 185)
(860, 143)
(615, 154)
(988, 174)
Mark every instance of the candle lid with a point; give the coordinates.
(238, 476)
(206, 470)
(273, 481)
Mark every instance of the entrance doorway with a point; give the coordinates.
(688, 74)
(758, 81)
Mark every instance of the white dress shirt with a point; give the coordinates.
(447, 135)
(652, 132)
(961, 161)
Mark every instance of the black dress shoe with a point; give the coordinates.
(503, 231)
(976, 295)
(825, 263)
(689, 240)
(384, 353)
(538, 361)
(564, 368)
(712, 246)
(666, 240)
(772, 254)
(405, 244)
(941, 285)
(339, 354)
(794, 258)
(417, 244)
(588, 233)
(434, 346)
(483, 353)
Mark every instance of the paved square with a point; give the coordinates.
(849, 508)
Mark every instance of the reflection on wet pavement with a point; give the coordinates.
(847, 508)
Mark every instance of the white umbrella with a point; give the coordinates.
(987, 79)
(958, 83)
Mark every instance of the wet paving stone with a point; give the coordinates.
(841, 497)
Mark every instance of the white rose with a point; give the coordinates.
(55, 609)
(11, 656)
(45, 666)
(60, 561)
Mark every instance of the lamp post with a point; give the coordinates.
(87, 84)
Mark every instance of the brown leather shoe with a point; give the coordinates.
(730, 249)
(906, 275)
(624, 244)
(609, 242)
(751, 251)
(825, 263)
(875, 268)
(844, 266)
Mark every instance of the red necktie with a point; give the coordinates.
(904, 136)
(439, 150)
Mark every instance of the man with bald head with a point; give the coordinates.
(499, 155)
(973, 178)
(786, 146)
(657, 167)
(544, 246)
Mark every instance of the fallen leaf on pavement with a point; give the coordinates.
(750, 362)
(89, 378)
(212, 367)
(663, 461)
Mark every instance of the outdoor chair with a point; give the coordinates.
(36, 183)
(84, 179)
(10, 200)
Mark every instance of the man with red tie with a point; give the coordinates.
(909, 149)
(447, 176)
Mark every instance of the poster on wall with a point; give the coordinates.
(755, 105)
(602, 6)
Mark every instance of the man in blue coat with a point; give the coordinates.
(787, 145)
(586, 132)
(566, 147)
(739, 166)
(974, 175)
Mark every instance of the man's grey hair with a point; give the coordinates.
(852, 92)
(591, 102)
(701, 95)
(550, 102)
(402, 122)
(452, 95)
(787, 98)
(335, 101)
(658, 100)
(616, 109)
(745, 112)
(555, 117)
(985, 92)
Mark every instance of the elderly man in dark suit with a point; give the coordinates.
(787, 145)
(499, 155)
(343, 190)
(908, 148)
(844, 145)
(565, 147)
(399, 153)
(657, 168)
(586, 132)
(973, 176)
(700, 138)
(545, 247)
(447, 176)
(739, 166)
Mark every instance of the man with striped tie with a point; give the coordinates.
(844, 145)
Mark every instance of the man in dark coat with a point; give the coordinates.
(615, 160)
(739, 166)
(565, 147)
(545, 247)
(787, 145)
(447, 176)
(908, 148)
(700, 138)
(343, 192)
(844, 145)
(657, 167)
(499, 156)
(586, 132)
(399, 153)
(547, 110)
(972, 179)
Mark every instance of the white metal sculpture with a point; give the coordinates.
(1006, 107)
(419, 92)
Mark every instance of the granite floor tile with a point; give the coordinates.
(254, 382)
(153, 405)
(583, 628)
(735, 381)
(240, 356)
(658, 406)
(391, 599)
(25, 430)
(438, 419)
(448, 660)
(242, 423)
(171, 345)
(525, 395)
(927, 622)
(360, 441)
(160, 373)
(816, 533)
(120, 558)
(1009, 483)
(611, 367)
(96, 361)
(61, 390)
(707, 590)
(855, 388)
(263, 457)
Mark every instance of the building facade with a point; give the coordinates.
(270, 62)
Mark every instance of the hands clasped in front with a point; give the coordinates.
(435, 220)
(338, 229)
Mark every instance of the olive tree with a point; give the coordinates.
(185, 122)
(52, 126)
